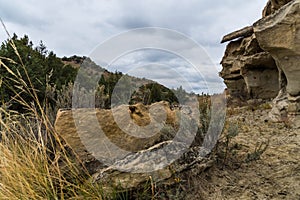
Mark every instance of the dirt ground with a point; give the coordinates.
(262, 162)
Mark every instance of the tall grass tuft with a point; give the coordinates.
(36, 166)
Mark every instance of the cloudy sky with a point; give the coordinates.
(70, 27)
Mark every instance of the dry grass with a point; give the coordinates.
(34, 163)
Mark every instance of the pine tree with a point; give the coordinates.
(42, 67)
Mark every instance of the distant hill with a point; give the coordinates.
(33, 74)
(136, 90)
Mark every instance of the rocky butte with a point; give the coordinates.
(264, 61)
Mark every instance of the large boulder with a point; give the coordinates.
(129, 145)
(279, 34)
(130, 128)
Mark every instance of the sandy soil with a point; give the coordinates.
(247, 173)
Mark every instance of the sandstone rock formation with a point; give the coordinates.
(273, 5)
(116, 124)
(266, 64)
(133, 139)
(279, 34)
(248, 71)
(191, 159)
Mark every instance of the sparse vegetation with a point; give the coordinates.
(260, 148)
(231, 132)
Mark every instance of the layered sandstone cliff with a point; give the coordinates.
(248, 71)
(266, 64)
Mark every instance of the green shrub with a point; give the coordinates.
(35, 66)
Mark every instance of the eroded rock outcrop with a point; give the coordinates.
(273, 5)
(266, 64)
(128, 127)
(248, 71)
(126, 145)
(279, 34)
(193, 158)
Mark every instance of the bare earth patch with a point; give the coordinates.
(275, 174)
(262, 162)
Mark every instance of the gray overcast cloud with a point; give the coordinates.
(77, 27)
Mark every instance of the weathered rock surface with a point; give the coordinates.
(273, 5)
(193, 158)
(248, 71)
(279, 34)
(266, 64)
(126, 127)
(126, 145)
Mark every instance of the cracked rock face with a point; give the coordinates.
(266, 65)
(122, 155)
(248, 71)
(279, 34)
(115, 126)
